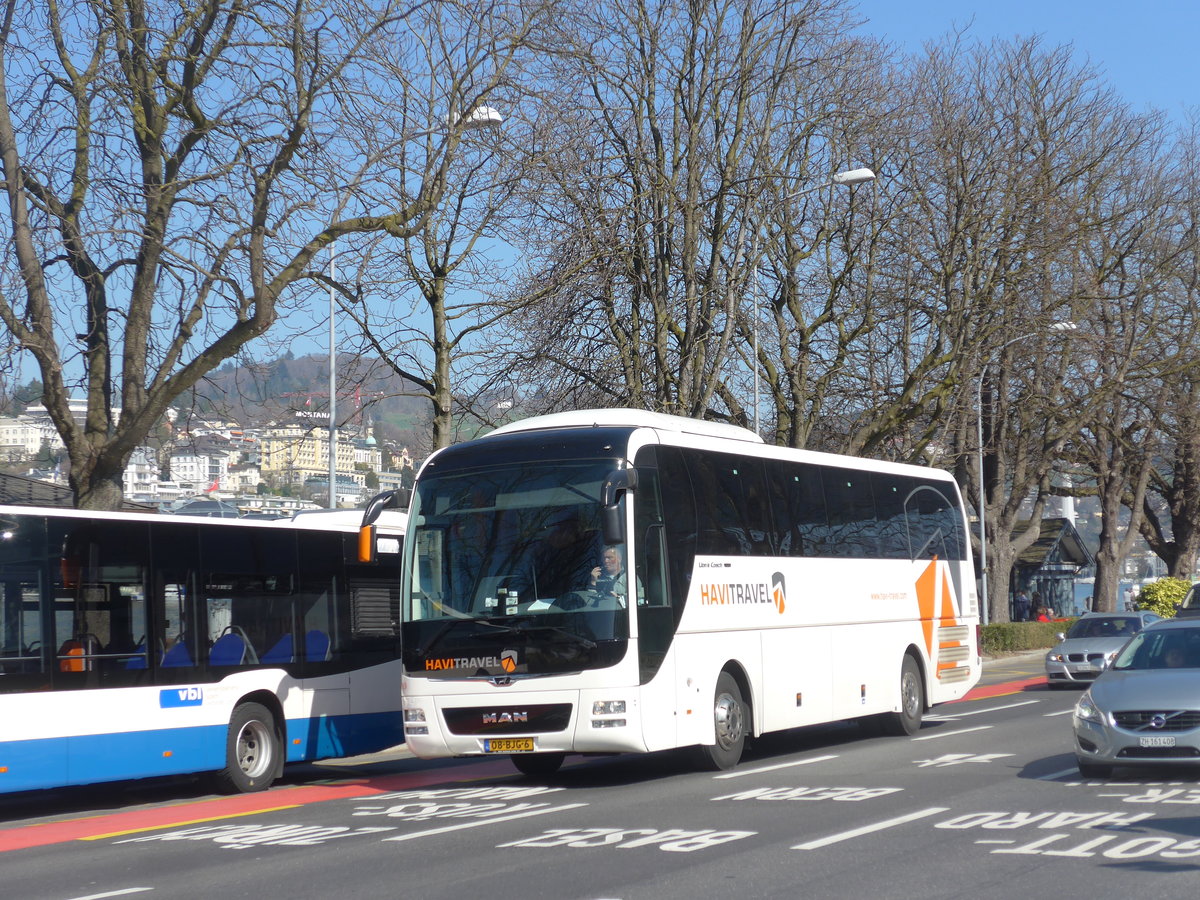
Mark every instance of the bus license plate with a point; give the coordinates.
(509, 745)
(1157, 741)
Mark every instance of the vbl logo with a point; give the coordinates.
(187, 696)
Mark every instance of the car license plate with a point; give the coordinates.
(509, 745)
(1081, 667)
(1156, 741)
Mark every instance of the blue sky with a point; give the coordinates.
(1148, 50)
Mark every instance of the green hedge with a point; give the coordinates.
(1002, 637)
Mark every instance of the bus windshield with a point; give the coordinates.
(509, 552)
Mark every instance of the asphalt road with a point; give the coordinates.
(985, 801)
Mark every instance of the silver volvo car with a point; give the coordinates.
(1144, 709)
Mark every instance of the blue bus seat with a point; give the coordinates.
(229, 650)
(316, 646)
(138, 660)
(177, 655)
(283, 651)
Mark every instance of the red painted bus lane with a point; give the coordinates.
(123, 823)
(1000, 690)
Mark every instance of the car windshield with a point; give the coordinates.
(1104, 627)
(1167, 648)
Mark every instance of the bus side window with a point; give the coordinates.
(851, 509)
(801, 527)
(100, 602)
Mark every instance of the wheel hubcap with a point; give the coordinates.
(253, 749)
(912, 695)
(729, 721)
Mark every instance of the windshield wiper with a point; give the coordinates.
(449, 626)
(577, 638)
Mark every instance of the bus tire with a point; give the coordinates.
(912, 701)
(253, 751)
(538, 765)
(730, 720)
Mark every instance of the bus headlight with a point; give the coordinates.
(608, 708)
(414, 721)
(608, 723)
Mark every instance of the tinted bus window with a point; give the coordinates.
(851, 509)
(801, 525)
(889, 493)
(934, 524)
(731, 504)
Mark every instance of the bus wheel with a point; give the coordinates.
(537, 765)
(730, 720)
(912, 701)
(253, 751)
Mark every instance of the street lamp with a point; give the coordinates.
(848, 178)
(477, 119)
(1053, 328)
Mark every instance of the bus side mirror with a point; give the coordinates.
(613, 523)
(377, 504)
(366, 544)
(366, 532)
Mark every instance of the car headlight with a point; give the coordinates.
(1054, 656)
(1087, 710)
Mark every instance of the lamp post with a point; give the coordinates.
(848, 178)
(1053, 328)
(332, 377)
(478, 118)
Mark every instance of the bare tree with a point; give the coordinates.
(1171, 513)
(664, 140)
(446, 272)
(172, 173)
(1016, 138)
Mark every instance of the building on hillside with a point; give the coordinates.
(244, 477)
(141, 477)
(204, 465)
(290, 454)
(75, 405)
(22, 437)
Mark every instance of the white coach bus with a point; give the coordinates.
(136, 645)
(610, 581)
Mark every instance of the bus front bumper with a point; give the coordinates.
(591, 721)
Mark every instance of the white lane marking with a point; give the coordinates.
(1054, 776)
(942, 734)
(870, 829)
(944, 717)
(787, 765)
(120, 893)
(1061, 712)
(488, 821)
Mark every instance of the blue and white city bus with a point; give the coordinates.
(615, 581)
(136, 645)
